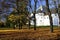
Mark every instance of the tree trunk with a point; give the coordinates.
(34, 14)
(34, 22)
(18, 12)
(20, 27)
(51, 22)
(29, 23)
(59, 11)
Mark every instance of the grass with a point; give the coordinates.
(26, 27)
(42, 33)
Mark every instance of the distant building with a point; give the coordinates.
(43, 20)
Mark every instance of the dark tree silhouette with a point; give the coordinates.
(59, 10)
(35, 1)
(51, 23)
(29, 4)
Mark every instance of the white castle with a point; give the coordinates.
(43, 20)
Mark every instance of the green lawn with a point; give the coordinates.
(26, 27)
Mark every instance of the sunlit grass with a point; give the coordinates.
(26, 33)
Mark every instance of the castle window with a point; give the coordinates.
(47, 17)
(44, 17)
(40, 20)
(41, 17)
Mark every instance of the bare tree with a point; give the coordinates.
(55, 6)
(30, 7)
(35, 6)
(51, 23)
(59, 10)
(17, 2)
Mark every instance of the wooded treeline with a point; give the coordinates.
(21, 10)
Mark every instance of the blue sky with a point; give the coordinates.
(32, 3)
(39, 3)
(43, 2)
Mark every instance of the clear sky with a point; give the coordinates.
(43, 2)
